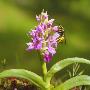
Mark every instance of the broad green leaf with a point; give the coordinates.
(22, 73)
(73, 82)
(62, 64)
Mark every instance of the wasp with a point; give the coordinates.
(62, 35)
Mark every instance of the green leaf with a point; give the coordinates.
(73, 82)
(22, 73)
(62, 64)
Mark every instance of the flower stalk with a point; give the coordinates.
(44, 68)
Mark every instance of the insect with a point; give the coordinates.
(62, 35)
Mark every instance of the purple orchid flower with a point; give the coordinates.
(44, 37)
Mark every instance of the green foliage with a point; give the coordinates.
(21, 73)
(75, 70)
(73, 82)
(63, 63)
(44, 83)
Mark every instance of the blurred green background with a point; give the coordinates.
(17, 18)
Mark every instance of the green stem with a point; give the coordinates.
(44, 68)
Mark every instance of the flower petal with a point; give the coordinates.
(55, 28)
(47, 57)
(30, 46)
(51, 50)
